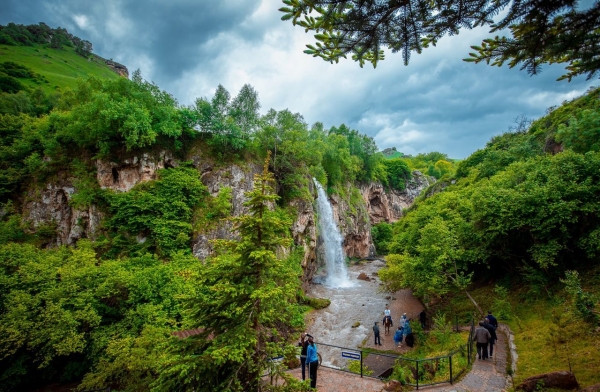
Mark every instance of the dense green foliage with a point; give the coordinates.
(244, 301)
(63, 309)
(541, 32)
(434, 164)
(397, 173)
(159, 211)
(381, 234)
(104, 115)
(105, 310)
(514, 208)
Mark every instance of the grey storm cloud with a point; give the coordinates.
(188, 47)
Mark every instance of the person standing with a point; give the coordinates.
(376, 332)
(493, 320)
(398, 337)
(487, 325)
(482, 336)
(304, 344)
(423, 318)
(313, 361)
(409, 339)
(403, 320)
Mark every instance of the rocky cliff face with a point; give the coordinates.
(353, 220)
(50, 207)
(117, 68)
(355, 213)
(388, 205)
(240, 180)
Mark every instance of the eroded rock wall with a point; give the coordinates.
(355, 213)
(49, 206)
(388, 205)
(240, 180)
(352, 218)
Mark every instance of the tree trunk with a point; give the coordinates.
(475, 303)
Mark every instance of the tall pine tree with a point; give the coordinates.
(244, 303)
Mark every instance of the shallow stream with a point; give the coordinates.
(348, 321)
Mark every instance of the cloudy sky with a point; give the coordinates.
(189, 47)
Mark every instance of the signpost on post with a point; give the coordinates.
(355, 356)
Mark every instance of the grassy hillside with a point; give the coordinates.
(57, 67)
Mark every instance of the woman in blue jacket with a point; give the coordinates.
(398, 336)
(313, 361)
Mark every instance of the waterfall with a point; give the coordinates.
(335, 259)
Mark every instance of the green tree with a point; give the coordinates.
(582, 134)
(397, 173)
(103, 115)
(228, 123)
(541, 32)
(381, 234)
(436, 267)
(243, 302)
(158, 211)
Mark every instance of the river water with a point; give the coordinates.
(348, 320)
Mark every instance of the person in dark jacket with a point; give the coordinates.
(493, 320)
(376, 332)
(492, 332)
(304, 344)
(423, 318)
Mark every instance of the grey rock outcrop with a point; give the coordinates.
(50, 206)
(240, 180)
(388, 205)
(125, 175)
(353, 220)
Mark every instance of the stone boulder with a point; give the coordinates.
(363, 276)
(560, 380)
(393, 386)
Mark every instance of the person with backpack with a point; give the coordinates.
(312, 360)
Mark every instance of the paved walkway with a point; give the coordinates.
(485, 376)
(329, 380)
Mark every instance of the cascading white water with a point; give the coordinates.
(335, 259)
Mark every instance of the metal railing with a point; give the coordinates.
(413, 372)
